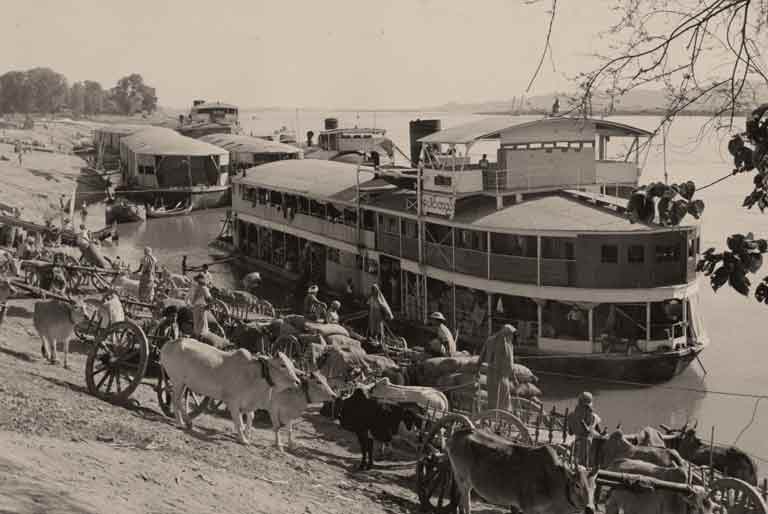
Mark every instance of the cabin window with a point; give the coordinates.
(556, 248)
(302, 205)
(609, 254)
(667, 253)
(410, 229)
(369, 220)
(693, 247)
(350, 217)
(442, 180)
(471, 240)
(389, 225)
(333, 255)
(636, 254)
(514, 245)
(146, 170)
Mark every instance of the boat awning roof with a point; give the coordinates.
(255, 145)
(120, 129)
(214, 105)
(491, 128)
(164, 141)
(310, 177)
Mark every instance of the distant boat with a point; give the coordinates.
(123, 212)
(180, 210)
(210, 118)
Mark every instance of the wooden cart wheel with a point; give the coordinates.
(74, 278)
(289, 345)
(117, 363)
(737, 497)
(434, 476)
(504, 424)
(220, 311)
(100, 283)
(195, 403)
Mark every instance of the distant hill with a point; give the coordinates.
(639, 101)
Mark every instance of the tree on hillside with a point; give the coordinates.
(16, 95)
(77, 98)
(704, 54)
(49, 89)
(132, 95)
(94, 97)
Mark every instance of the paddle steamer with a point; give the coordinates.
(535, 236)
(206, 118)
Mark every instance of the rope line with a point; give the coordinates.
(715, 182)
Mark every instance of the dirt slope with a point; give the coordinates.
(64, 451)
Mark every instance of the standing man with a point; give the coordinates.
(84, 212)
(499, 353)
(583, 423)
(207, 276)
(148, 279)
(198, 299)
(484, 164)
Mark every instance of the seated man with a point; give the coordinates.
(443, 345)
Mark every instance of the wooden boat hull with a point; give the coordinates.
(123, 214)
(646, 368)
(183, 211)
(201, 197)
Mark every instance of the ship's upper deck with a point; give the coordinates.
(539, 155)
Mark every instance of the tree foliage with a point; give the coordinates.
(42, 90)
(706, 55)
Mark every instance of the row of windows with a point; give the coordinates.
(561, 144)
(609, 254)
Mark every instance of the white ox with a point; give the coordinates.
(55, 323)
(128, 286)
(653, 501)
(243, 381)
(288, 405)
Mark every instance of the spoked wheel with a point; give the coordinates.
(735, 496)
(504, 424)
(434, 477)
(195, 404)
(117, 363)
(75, 278)
(220, 311)
(289, 345)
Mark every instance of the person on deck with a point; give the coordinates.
(484, 164)
(198, 299)
(499, 353)
(583, 423)
(310, 301)
(148, 278)
(207, 275)
(443, 345)
(58, 282)
(332, 316)
(378, 313)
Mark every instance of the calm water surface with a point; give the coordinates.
(735, 360)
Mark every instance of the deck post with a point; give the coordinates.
(490, 314)
(488, 255)
(539, 315)
(538, 260)
(591, 320)
(648, 321)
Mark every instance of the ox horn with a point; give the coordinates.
(618, 426)
(695, 424)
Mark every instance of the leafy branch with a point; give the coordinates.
(664, 204)
(744, 256)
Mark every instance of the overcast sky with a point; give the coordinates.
(327, 53)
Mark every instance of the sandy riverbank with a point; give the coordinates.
(65, 451)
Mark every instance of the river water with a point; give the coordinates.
(735, 361)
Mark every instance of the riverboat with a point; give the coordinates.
(206, 118)
(537, 237)
(160, 165)
(352, 145)
(246, 151)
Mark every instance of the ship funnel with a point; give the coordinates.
(419, 129)
(331, 123)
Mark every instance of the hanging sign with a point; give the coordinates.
(438, 204)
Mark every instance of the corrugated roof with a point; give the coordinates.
(121, 129)
(164, 141)
(491, 128)
(242, 143)
(314, 178)
(215, 105)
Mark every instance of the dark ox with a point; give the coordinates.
(525, 479)
(729, 460)
(654, 501)
(370, 420)
(608, 448)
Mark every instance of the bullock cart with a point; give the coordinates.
(529, 425)
(125, 354)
